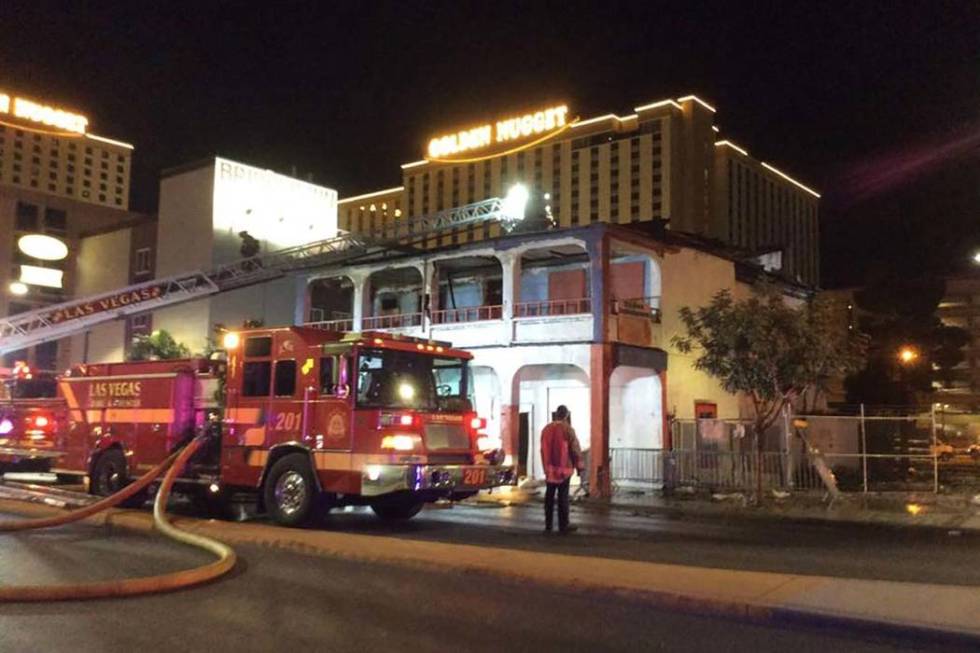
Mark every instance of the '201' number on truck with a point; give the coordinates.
(287, 421)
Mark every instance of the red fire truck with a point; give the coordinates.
(28, 405)
(308, 419)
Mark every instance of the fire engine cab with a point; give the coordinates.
(307, 419)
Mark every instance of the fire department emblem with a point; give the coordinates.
(336, 426)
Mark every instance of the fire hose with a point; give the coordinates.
(129, 586)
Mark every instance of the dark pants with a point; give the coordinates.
(549, 504)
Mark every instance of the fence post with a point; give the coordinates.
(935, 453)
(864, 450)
(788, 444)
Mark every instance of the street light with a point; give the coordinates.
(907, 355)
(976, 257)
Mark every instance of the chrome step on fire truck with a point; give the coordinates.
(311, 420)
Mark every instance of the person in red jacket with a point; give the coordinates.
(561, 456)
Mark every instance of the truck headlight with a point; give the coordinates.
(401, 442)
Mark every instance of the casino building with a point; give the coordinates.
(59, 184)
(665, 161)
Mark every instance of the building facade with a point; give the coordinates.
(58, 183)
(208, 210)
(663, 162)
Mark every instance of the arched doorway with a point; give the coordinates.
(540, 390)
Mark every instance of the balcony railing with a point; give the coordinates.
(467, 314)
(397, 321)
(648, 307)
(332, 325)
(553, 307)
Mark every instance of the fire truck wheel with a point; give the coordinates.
(109, 475)
(290, 490)
(399, 510)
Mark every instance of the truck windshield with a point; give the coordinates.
(397, 379)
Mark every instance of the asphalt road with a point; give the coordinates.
(828, 549)
(293, 602)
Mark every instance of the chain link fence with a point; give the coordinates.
(889, 452)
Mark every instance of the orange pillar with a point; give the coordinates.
(600, 371)
(668, 437)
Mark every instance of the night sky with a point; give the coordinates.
(876, 104)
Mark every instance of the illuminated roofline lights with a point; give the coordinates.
(715, 129)
(731, 145)
(790, 179)
(396, 189)
(699, 101)
(583, 123)
(414, 164)
(110, 141)
(659, 103)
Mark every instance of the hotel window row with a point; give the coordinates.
(765, 214)
(50, 164)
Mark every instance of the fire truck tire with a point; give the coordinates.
(397, 510)
(290, 491)
(110, 475)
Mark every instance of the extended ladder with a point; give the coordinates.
(61, 320)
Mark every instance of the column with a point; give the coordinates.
(430, 294)
(510, 266)
(600, 369)
(362, 299)
(599, 278)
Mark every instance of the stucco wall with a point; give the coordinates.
(691, 278)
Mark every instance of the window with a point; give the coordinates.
(55, 220)
(255, 378)
(142, 261)
(261, 346)
(328, 382)
(285, 378)
(26, 216)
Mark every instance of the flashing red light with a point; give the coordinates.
(477, 423)
(41, 421)
(406, 420)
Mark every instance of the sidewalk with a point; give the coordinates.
(923, 510)
(758, 596)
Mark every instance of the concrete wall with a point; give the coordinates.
(102, 264)
(184, 243)
(637, 421)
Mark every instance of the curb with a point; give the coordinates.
(410, 553)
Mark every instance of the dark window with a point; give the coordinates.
(328, 382)
(255, 378)
(55, 219)
(285, 378)
(26, 216)
(258, 346)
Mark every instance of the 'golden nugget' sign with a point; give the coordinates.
(44, 114)
(108, 303)
(545, 123)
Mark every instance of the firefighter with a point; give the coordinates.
(561, 455)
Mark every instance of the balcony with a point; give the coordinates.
(395, 321)
(467, 314)
(636, 321)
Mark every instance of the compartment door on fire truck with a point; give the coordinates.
(330, 423)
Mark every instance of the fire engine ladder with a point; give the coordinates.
(65, 319)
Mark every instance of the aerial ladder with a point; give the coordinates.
(60, 320)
